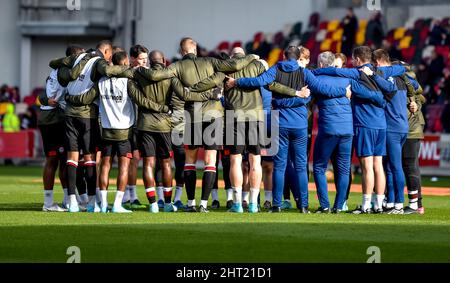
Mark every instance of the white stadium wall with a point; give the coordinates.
(9, 43)
(210, 22)
(45, 49)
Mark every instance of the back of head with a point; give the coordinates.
(237, 51)
(104, 44)
(363, 53)
(326, 59)
(106, 48)
(381, 55)
(292, 52)
(304, 52)
(138, 49)
(157, 57)
(74, 50)
(117, 49)
(188, 45)
(120, 58)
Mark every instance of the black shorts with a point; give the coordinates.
(116, 148)
(247, 137)
(207, 135)
(133, 140)
(155, 144)
(82, 134)
(53, 139)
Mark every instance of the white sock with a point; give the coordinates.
(229, 194)
(237, 195)
(48, 198)
(78, 197)
(215, 194)
(254, 193)
(84, 199)
(66, 196)
(133, 194)
(245, 196)
(91, 200)
(390, 205)
(379, 201)
(104, 198)
(73, 201)
(160, 192)
(268, 196)
(398, 206)
(168, 190)
(373, 201)
(191, 203)
(119, 198)
(413, 202)
(98, 196)
(204, 203)
(178, 193)
(366, 204)
(126, 195)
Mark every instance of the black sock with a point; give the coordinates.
(72, 177)
(190, 180)
(91, 177)
(81, 182)
(209, 176)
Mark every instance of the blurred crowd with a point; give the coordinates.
(425, 45)
(10, 99)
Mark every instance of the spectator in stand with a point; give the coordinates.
(393, 51)
(4, 93)
(374, 31)
(445, 94)
(11, 123)
(438, 34)
(14, 95)
(350, 26)
(29, 119)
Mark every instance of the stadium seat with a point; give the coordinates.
(405, 42)
(399, 33)
(333, 25)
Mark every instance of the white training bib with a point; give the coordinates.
(83, 83)
(116, 108)
(54, 90)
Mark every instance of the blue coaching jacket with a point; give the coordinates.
(396, 109)
(365, 113)
(292, 111)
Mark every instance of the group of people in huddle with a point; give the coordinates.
(105, 103)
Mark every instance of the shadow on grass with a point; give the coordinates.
(227, 242)
(21, 206)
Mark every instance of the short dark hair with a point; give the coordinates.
(363, 53)
(382, 55)
(119, 57)
(74, 50)
(292, 52)
(104, 43)
(138, 49)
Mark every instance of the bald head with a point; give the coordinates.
(237, 51)
(188, 45)
(157, 57)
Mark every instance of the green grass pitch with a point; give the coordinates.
(28, 235)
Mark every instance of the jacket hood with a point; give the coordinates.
(288, 66)
(10, 109)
